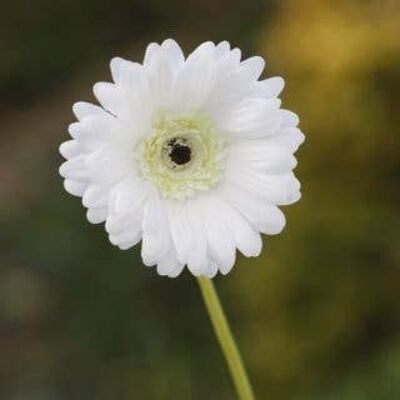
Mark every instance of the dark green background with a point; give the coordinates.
(316, 316)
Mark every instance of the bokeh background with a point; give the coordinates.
(317, 316)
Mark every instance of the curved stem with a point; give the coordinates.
(226, 340)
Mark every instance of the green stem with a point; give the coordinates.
(226, 340)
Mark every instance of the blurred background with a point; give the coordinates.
(317, 316)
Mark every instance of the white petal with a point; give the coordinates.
(156, 238)
(95, 129)
(137, 98)
(264, 217)
(108, 96)
(181, 232)
(76, 188)
(174, 51)
(212, 269)
(248, 240)
(127, 238)
(222, 49)
(162, 65)
(195, 79)
(105, 168)
(169, 264)
(74, 130)
(219, 237)
(128, 244)
(259, 156)
(229, 91)
(253, 118)
(227, 62)
(95, 196)
(256, 65)
(151, 50)
(70, 149)
(162, 70)
(280, 189)
(117, 223)
(268, 88)
(197, 262)
(290, 138)
(289, 119)
(115, 66)
(96, 215)
(82, 109)
(75, 168)
(127, 197)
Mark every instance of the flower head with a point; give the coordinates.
(192, 156)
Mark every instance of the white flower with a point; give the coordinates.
(190, 156)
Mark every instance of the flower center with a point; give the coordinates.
(182, 155)
(179, 151)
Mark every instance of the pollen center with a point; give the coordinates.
(180, 152)
(183, 155)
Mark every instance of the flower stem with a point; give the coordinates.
(226, 340)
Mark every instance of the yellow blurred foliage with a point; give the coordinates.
(341, 60)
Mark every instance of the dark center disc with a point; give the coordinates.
(180, 153)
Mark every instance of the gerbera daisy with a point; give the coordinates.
(191, 156)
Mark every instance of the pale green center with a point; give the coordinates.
(182, 155)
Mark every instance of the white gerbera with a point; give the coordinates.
(190, 156)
